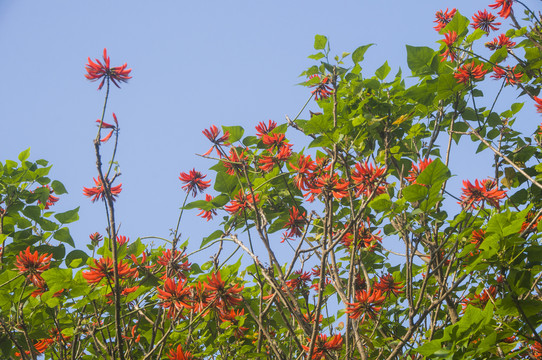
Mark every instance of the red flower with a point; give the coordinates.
(194, 182)
(365, 239)
(32, 265)
(51, 200)
(95, 238)
(469, 71)
(499, 42)
(506, 7)
(536, 350)
(417, 170)
(299, 281)
(213, 135)
(42, 345)
(295, 224)
(97, 70)
(477, 237)
(268, 162)
(323, 346)
(528, 219)
(388, 285)
(231, 317)
(323, 90)
(175, 262)
(109, 126)
(443, 18)
(179, 354)
(175, 296)
(199, 298)
(97, 192)
(480, 192)
(263, 129)
(274, 140)
(305, 167)
(511, 77)
(234, 161)
(449, 39)
(485, 21)
(121, 240)
(480, 300)
(241, 202)
(538, 104)
(207, 214)
(331, 184)
(366, 305)
(368, 179)
(104, 269)
(221, 295)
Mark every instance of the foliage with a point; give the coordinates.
(358, 246)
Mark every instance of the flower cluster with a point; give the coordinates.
(97, 70)
(481, 192)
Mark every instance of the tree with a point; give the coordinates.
(359, 248)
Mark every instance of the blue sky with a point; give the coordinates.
(194, 64)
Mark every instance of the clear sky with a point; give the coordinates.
(194, 64)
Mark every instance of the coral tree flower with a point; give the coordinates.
(175, 296)
(449, 39)
(368, 178)
(179, 354)
(103, 269)
(295, 224)
(324, 346)
(481, 192)
(323, 90)
(538, 104)
(388, 285)
(509, 74)
(221, 295)
(213, 134)
(263, 129)
(366, 305)
(207, 214)
(176, 263)
(98, 192)
(97, 70)
(241, 202)
(506, 7)
(194, 182)
(443, 18)
(331, 184)
(499, 42)
(485, 21)
(469, 71)
(95, 238)
(32, 265)
(234, 161)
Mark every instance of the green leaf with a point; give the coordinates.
(383, 71)
(63, 235)
(434, 173)
(316, 56)
(76, 258)
(320, 42)
(68, 216)
(459, 24)
(419, 59)
(236, 133)
(58, 187)
(225, 183)
(215, 235)
(499, 55)
(24, 155)
(381, 202)
(359, 53)
(415, 192)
